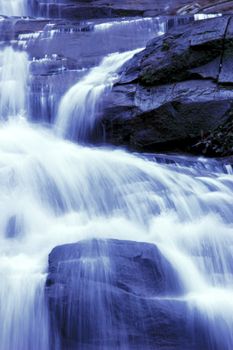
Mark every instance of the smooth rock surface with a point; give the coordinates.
(110, 294)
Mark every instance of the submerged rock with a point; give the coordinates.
(110, 294)
(176, 91)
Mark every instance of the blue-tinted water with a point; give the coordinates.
(54, 191)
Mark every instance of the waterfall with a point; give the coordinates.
(156, 25)
(13, 7)
(55, 191)
(13, 83)
(78, 109)
(26, 7)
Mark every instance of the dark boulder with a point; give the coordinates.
(110, 294)
(176, 91)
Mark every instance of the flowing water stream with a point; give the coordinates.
(89, 91)
(13, 7)
(54, 191)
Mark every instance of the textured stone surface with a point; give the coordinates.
(176, 91)
(117, 8)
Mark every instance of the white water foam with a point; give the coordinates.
(13, 7)
(55, 192)
(78, 108)
(13, 83)
(108, 25)
(203, 16)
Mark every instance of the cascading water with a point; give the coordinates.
(54, 192)
(13, 7)
(26, 7)
(13, 83)
(84, 98)
(15, 268)
(86, 44)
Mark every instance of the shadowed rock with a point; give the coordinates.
(176, 91)
(109, 294)
(80, 9)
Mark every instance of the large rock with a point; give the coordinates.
(176, 91)
(110, 294)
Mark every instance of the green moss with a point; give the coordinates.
(165, 46)
(219, 142)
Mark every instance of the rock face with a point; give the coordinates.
(93, 9)
(206, 6)
(219, 142)
(86, 9)
(80, 9)
(176, 91)
(55, 67)
(109, 294)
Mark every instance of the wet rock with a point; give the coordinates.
(205, 6)
(226, 71)
(47, 90)
(125, 258)
(176, 91)
(193, 8)
(219, 142)
(102, 9)
(217, 6)
(170, 57)
(93, 9)
(78, 9)
(110, 294)
(209, 70)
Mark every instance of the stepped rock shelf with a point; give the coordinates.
(83, 9)
(87, 9)
(176, 95)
